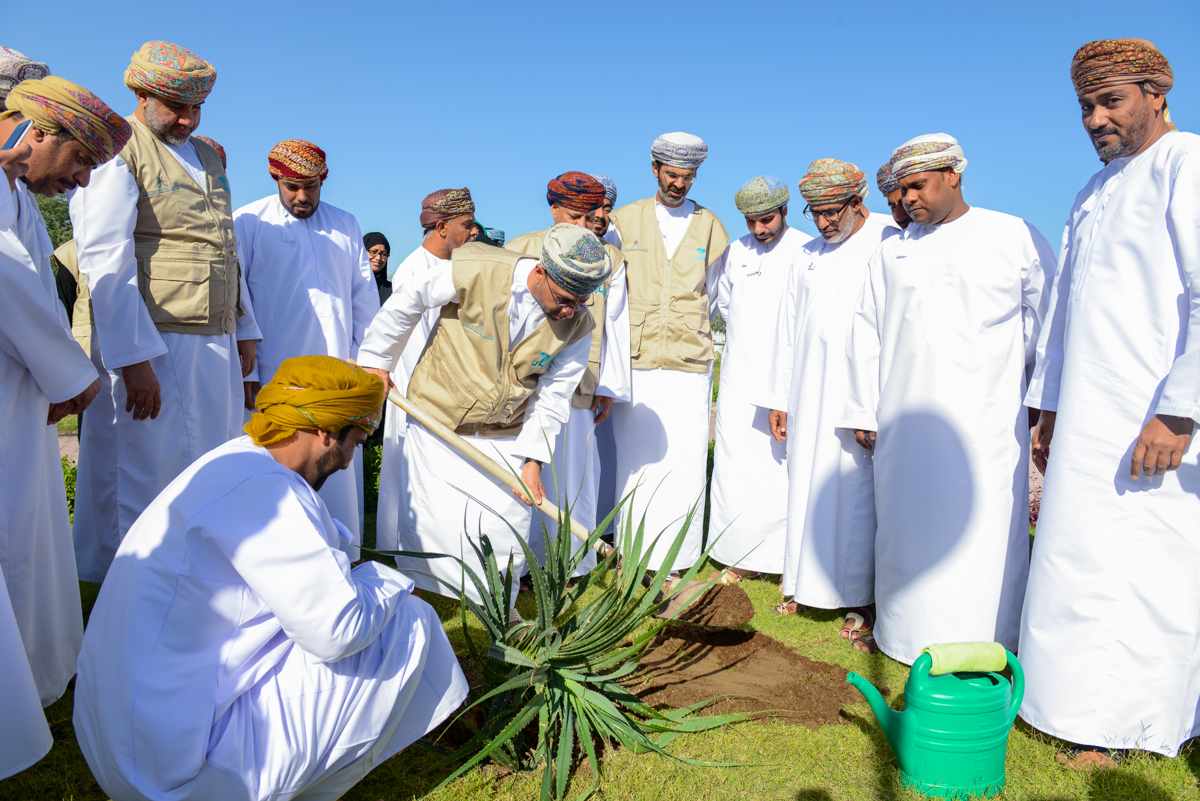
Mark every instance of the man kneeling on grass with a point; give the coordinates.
(232, 652)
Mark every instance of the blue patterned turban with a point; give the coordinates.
(610, 187)
(575, 259)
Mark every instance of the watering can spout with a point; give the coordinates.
(891, 721)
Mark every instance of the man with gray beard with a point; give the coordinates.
(174, 331)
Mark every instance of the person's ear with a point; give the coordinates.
(326, 438)
(36, 135)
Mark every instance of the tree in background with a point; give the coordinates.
(58, 218)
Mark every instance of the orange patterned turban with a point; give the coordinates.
(832, 181)
(297, 158)
(168, 71)
(316, 393)
(54, 104)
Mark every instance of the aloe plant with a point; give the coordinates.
(564, 666)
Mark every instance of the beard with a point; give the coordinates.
(844, 230)
(327, 464)
(161, 127)
(1127, 141)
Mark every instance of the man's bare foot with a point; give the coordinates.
(1085, 758)
(732, 575)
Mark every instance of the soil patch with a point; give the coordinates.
(685, 665)
(720, 605)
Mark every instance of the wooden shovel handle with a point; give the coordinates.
(502, 474)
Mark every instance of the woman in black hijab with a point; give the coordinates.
(378, 251)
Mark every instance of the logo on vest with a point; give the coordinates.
(634, 246)
(700, 253)
(543, 360)
(473, 329)
(224, 183)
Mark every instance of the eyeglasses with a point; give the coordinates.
(567, 304)
(832, 216)
(382, 254)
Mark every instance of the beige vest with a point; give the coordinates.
(186, 253)
(668, 298)
(82, 321)
(467, 378)
(531, 244)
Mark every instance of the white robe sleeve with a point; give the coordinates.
(364, 295)
(550, 404)
(280, 553)
(616, 380)
(1047, 372)
(1037, 275)
(247, 324)
(1181, 392)
(103, 215)
(31, 331)
(388, 333)
(775, 391)
(862, 354)
(713, 278)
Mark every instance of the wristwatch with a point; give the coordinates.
(529, 459)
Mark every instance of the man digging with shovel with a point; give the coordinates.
(501, 365)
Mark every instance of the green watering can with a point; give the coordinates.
(952, 737)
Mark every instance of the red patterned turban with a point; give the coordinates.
(297, 158)
(168, 71)
(831, 181)
(445, 204)
(577, 191)
(215, 145)
(54, 104)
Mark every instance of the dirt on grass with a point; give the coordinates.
(720, 605)
(689, 664)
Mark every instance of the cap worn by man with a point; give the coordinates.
(298, 159)
(575, 259)
(610, 187)
(54, 104)
(761, 194)
(884, 179)
(831, 181)
(926, 153)
(170, 72)
(679, 149)
(575, 190)
(316, 393)
(446, 204)
(15, 67)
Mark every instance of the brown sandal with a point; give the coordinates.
(789, 608)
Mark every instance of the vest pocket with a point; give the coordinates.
(176, 290)
(637, 321)
(695, 335)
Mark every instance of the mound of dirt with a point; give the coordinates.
(720, 605)
(686, 665)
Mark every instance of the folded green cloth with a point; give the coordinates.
(977, 657)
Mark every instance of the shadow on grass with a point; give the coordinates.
(813, 795)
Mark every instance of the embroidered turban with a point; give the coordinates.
(54, 104)
(1114, 62)
(575, 259)
(316, 393)
(446, 204)
(762, 194)
(575, 190)
(928, 152)
(495, 234)
(884, 178)
(610, 186)
(297, 158)
(215, 145)
(831, 181)
(15, 67)
(168, 71)
(679, 150)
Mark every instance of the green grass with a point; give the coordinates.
(69, 424)
(846, 762)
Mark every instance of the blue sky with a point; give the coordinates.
(500, 97)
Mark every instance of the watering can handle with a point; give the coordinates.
(1018, 687)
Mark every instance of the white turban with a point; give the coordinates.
(929, 152)
(679, 150)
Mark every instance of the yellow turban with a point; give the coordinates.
(170, 72)
(316, 393)
(53, 104)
